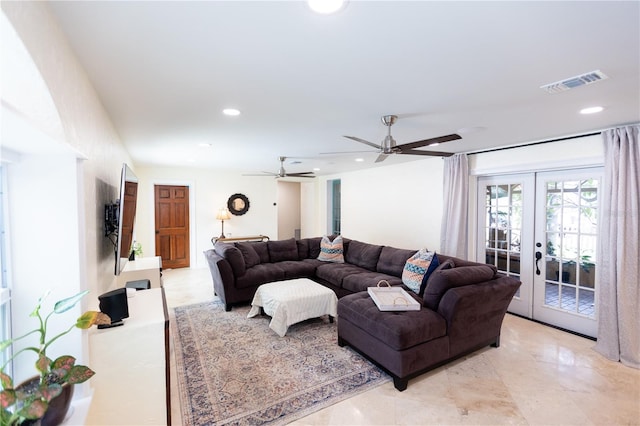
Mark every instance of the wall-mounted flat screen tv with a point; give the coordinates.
(127, 217)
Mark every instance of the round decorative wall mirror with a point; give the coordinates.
(238, 204)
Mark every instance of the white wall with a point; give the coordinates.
(397, 205)
(288, 213)
(209, 191)
(309, 209)
(75, 122)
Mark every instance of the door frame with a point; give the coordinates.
(192, 215)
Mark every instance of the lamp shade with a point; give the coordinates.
(223, 214)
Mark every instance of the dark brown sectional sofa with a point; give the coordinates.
(463, 304)
(238, 269)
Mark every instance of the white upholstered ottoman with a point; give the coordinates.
(291, 301)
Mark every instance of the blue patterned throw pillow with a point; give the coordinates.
(331, 251)
(415, 269)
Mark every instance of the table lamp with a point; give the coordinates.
(223, 214)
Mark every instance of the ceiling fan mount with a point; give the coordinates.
(389, 120)
(389, 146)
(283, 173)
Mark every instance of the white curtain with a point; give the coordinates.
(619, 248)
(454, 233)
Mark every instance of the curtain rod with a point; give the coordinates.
(550, 140)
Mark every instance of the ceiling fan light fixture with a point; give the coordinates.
(326, 7)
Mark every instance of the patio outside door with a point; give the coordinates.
(542, 229)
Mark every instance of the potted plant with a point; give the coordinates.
(37, 397)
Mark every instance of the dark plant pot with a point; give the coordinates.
(58, 406)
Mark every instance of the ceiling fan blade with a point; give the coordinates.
(381, 158)
(353, 138)
(430, 153)
(299, 174)
(343, 152)
(425, 142)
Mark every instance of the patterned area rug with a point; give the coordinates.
(235, 370)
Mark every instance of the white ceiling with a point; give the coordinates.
(165, 70)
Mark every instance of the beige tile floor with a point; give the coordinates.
(538, 376)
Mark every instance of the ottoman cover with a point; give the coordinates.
(399, 330)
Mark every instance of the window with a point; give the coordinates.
(334, 206)
(5, 306)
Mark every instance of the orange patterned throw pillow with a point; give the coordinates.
(415, 268)
(331, 251)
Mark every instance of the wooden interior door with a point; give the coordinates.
(172, 225)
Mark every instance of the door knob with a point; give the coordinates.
(538, 257)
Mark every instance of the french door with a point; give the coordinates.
(542, 229)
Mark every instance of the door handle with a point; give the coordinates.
(538, 257)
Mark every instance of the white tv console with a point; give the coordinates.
(131, 385)
(143, 268)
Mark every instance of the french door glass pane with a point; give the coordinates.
(503, 227)
(571, 227)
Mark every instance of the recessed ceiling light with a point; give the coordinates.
(326, 7)
(230, 111)
(204, 145)
(316, 169)
(359, 160)
(591, 110)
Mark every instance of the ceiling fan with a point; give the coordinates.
(389, 146)
(283, 173)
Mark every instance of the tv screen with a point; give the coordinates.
(127, 216)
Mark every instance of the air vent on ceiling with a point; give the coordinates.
(573, 82)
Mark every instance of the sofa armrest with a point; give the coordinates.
(221, 274)
(474, 313)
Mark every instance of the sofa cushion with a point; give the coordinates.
(314, 247)
(232, 255)
(249, 254)
(262, 250)
(363, 255)
(443, 279)
(334, 273)
(297, 269)
(303, 248)
(260, 274)
(392, 260)
(360, 282)
(283, 250)
(415, 269)
(435, 262)
(331, 251)
(399, 330)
